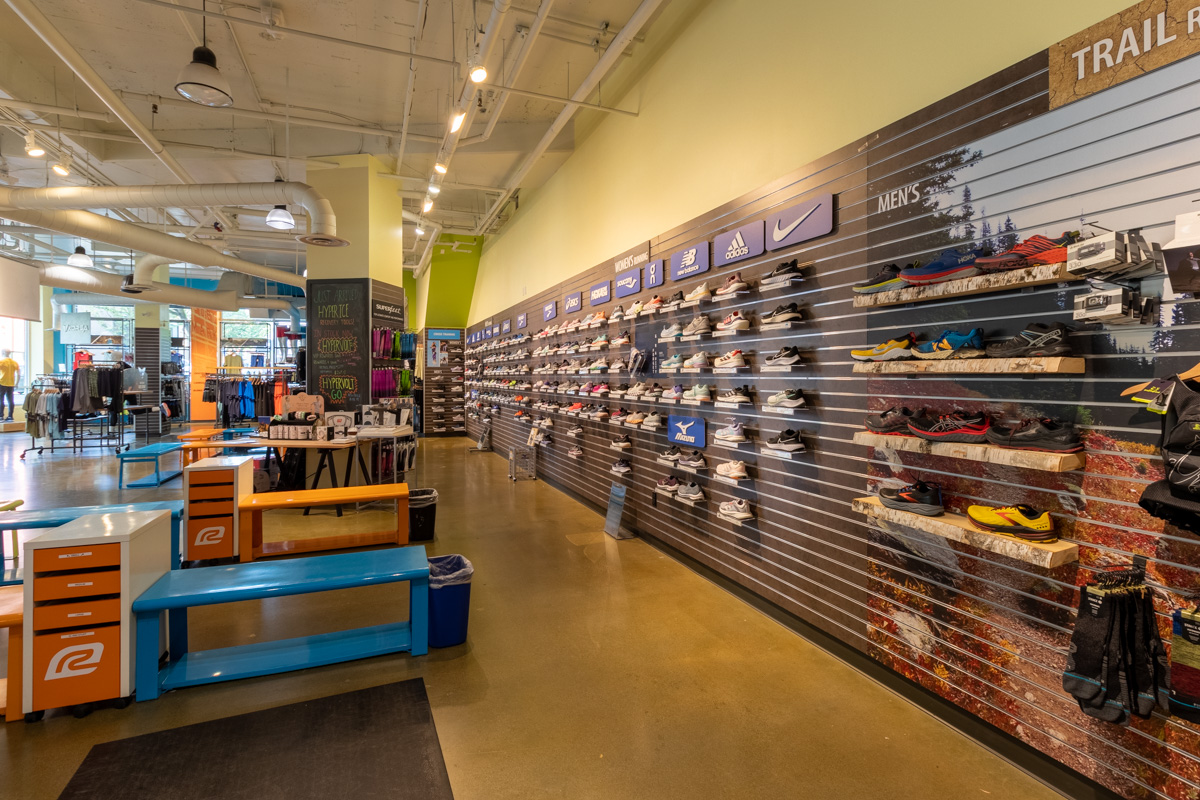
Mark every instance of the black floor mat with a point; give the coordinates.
(371, 744)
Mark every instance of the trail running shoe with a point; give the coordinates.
(733, 469)
(575, 452)
(674, 393)
(952, 344)
(787, 398)
(733, 283)
(697, 360)
(621, 466)
(785, 313)
(734, 322)
(919, 498)
(949, 266)
(690, 491)
(1019, 521)
(668, 484)
(699, 293)
(1034, 251)
(786, 357)
(788, 441)
(671, 454)
(693, 459)
(1037, 434)
(622, 442)
(734, 358)
(955, 427)
(893, 422)
(785, 269)
(671, 331)
(698, 392)
(734, 432)
(738, 394)
(890, 350)
(885, 280)
(652, 420)
(1038, 339)
(736, 509)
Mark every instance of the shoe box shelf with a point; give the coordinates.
(958, 528)
(441, 407)
(1034, 365)
(988, 453)
(977, 284)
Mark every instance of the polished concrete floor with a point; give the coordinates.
(594, 669)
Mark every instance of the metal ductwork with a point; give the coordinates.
(322, 223)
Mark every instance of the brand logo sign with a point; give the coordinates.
(75, 328)
(686, 430)
(652, 274)
(506, 326)
(634, 257)
(573, 302)
(76, 660)
(629, 283)
(487, 333)
(687, 263)
(445, 334)
(801, 222)
(736, 245)
(495, 330)
(522, 321)
(550, 311)
(599, 294)
(387, 312)
(212, 535)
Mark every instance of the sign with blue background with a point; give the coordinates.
(572, 302)
(522, 321)
(550, 311)
(506, 326)
(495, 330)
(738, 244)
(689, 262)
(629, 282)
(599, 294)
(487, 333)
(445, 334)
(800, 223)
(687, 431)
(653, 276)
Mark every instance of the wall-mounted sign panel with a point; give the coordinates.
(600, 294)
(522, 321)
(652, 274)
(550, 311)
(572, 303)
(634, 257)
(629, 282)
(808, 220)
(689, 262)
(738, 244)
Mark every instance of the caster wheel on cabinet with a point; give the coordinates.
(35, 716)
(82, 710)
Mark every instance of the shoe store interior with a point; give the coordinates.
(622, 399)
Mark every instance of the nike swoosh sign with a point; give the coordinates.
(802, 222)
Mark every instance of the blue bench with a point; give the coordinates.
(180, 590)
(54, 517)
(151, 453)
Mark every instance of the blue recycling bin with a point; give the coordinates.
(449, 599)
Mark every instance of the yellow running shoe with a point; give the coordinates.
(888, 351)
(1020, 522)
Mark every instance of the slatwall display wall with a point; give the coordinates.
(985, 631)
(147, 354)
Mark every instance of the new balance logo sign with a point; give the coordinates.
(737, 248)
(689, 258)
(210, 536)
(76, 660)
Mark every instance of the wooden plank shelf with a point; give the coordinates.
(958, 528)
(1033, 365)
(988, 453)
(976, 284)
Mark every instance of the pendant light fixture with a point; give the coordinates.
(440, 168)
(79, 258)
(32, 148)
(63, 167)
(476, 69)
(201, 81)
(279, 217)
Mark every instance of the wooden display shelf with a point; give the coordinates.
(1033, 365)
(976, 284)
(958, 528)
(989, 453)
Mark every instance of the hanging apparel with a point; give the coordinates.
(233, 364)
(1176, 498)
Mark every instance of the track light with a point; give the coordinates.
(420, 231)
(439, 168)
(63, 167)
(457, 121)
(428, 205)
(32, 148)
(79, 258)
(434, 189)
(476, 69)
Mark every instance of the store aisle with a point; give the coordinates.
(594, 668)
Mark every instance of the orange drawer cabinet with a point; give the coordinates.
(213, 487)
(76, 667)
(69, 615)
(76, 585)
(56, 559)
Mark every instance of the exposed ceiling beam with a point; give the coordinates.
(42, 108)
(556, 99)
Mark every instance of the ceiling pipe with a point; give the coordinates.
(432, 230)
(42, 108)
(408, 93)
(607, 61)
(41, 25)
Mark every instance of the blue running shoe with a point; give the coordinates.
(952, 344)
(951, 265)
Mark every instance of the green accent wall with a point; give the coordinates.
(451, 281)
(410, 296)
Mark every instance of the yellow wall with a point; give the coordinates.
(749, 91)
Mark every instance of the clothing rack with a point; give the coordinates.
(249, 403)
(55, 382)
(112, 425)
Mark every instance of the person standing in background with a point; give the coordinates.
(10, 372)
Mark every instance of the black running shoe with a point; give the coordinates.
(1038, 339)
(893, 422)
(622, 442)
(885, 280)
(920, 498)
(788, 441)
(786, 268)
(786, 357)
(671, 454)
(786, 313)
(956, 427)
(675, 298)
(1037, 434)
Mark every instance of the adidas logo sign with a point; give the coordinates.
(737, 248)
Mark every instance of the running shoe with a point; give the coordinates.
(575, 407)
(736, 509)
(893, 422)
(674, 393)
(620, 340)
(1034, 251)
(785, 269)
(890, 350)
(656, 302)
(1038, 339)
(587, 387)
(598, 317)
(692, 492)
(788, 441)
(699, 293)
(1019, 521)
(734, 358)
(617, 314)
(652, 420)
(636, 418)
(654, 391)
(668, 484)
(546, 423)
(622, 442)
(697, 360)
(575, 452)
(620, 415)
(621, 466)
(739, 394)
(698, 392)
(600, 388)
(952, 344)
(733, 283)
(672, 362)
(671, 454)
(885, 280)
(602, 339)
(675, 298)
(575, 430)
(1037, 434)
(637, 390)
(785, 313)
(698, 324)
(787, 398)
(733, 469)
(954, 427)
(672, 330)
(618, 365)
(693, 459)
(950, 265)
(733, 432)
(786, 357)
(734, 322)
(599, 363)
(919, 498)
(635, 309)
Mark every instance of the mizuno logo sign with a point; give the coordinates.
(779, 234)
(684, 426)
(737, 247)
(73, 661)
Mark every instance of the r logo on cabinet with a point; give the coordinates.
(213, 489)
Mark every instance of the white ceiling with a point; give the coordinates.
(138, 48)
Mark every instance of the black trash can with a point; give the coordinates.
(449, 599)
(422, 514)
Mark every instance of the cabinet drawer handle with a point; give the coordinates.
(75, 555)
(80, 614)
(77, 585)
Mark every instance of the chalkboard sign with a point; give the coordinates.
(339, 342)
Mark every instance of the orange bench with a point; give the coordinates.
(12, 616)
(250, 543)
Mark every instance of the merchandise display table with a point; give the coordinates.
(149, 454)
(276, 447)
(178, 591)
